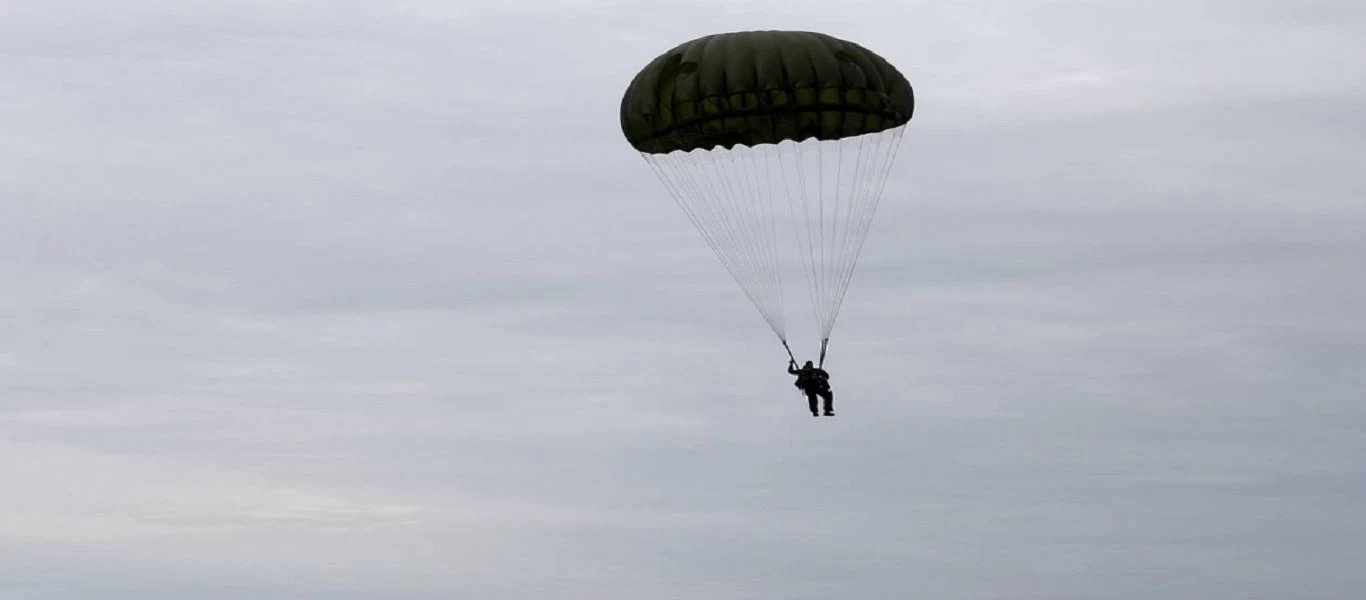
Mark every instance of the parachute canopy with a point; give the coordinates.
(735, 123)
(762, 87)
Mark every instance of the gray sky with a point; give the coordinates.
(370, 300)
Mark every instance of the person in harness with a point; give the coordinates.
(813, 381)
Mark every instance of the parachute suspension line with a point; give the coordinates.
(761, 203)
(853, 201)
(732, 210)
(681, 191)
(728, 194)
(789, 352)
(709, 195)
(808, 226)
(689, 184)
(876, 183)
(738, 209)
(676, 190)
(765, 255)
(769, 209)
(834, 228)
(843, 244)
(820, 225)
(742, 223)
(805, 244)
(831, 263)
(824, 342)
(838, 226)
(780, 155)
(833, 211)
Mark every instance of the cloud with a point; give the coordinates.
(342, 300)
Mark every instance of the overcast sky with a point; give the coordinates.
(371, 300)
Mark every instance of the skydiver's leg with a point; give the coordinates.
(811, 400)
(829, 396)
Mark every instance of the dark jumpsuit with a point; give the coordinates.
(814, 381)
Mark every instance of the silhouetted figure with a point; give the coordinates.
(813, 381)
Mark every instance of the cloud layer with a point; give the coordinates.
(359, 300)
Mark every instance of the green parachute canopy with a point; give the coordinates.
(762, 87)
(737, 124)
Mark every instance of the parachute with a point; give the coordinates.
(736, 125)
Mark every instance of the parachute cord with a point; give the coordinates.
(713, 230)
(767, 186)
(806, 244)
(789, 352)
(825, 342)
(873, 199)
(854, 203)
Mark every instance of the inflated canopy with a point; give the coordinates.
(762, 87)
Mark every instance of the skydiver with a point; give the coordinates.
(813, 381)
